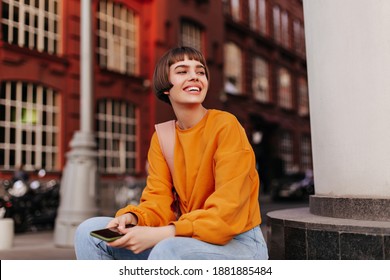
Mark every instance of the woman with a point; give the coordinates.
(214, 176)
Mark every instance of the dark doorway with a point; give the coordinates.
(265, 145)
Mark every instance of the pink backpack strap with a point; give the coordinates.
(166, 133)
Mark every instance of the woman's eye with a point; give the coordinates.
(201, 73)
(181, 72)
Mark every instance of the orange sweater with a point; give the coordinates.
(215, 178)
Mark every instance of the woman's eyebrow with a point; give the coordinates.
(187, 66)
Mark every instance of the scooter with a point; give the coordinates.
(33, 206)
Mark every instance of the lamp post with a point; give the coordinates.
(80, 173)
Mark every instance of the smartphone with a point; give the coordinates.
(109, 234)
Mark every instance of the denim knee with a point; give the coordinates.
(164, 250)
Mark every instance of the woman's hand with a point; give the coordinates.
(121, 221)
(140, 238)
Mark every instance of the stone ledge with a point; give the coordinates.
(375, 209)
(298, 234)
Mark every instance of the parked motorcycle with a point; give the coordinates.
(32, 205)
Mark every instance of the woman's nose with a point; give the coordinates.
(193, 75)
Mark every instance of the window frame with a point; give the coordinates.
(36, 28)
(258, 16)
(196, 37)
(285, 92)
(117, 51)
(116, 136)
(238, 75)
(31, 123)
(286, 150)
(258, 80)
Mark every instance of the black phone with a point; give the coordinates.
(109, 234)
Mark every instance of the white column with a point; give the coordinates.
(348, 59)
(80, 173)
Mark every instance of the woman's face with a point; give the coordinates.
(189, 81)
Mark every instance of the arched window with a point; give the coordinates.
(29, 126)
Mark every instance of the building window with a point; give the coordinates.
(287, 151)
(299, 36)
(29, 126)
(233, 8)
(236, 9)
(303, 97)
(117, 35)
(116, 137)
(285, 38)
(277, 24)
(34, 24)
(258, 15)
(191, 35)
(284, 89)
(306, 157)
(233, 69)
(260, 83)
(281, 26)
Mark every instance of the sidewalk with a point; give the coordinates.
(36, 246)
(40, 246)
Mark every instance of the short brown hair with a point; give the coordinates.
(161, 81)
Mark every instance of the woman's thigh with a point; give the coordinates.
(246, 246)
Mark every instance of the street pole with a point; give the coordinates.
(78, 185)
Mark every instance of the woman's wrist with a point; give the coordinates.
(169, 231)
(133, 218)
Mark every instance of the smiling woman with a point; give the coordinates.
(188, 91)
(161, 76)
(207, 208)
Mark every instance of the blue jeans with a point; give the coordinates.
(249, 245)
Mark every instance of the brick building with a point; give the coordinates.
(254, 49)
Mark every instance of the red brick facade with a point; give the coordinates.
(159, 23)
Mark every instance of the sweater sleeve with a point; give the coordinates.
(233, 206)
(155, 204)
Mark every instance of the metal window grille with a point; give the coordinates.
(191, 35)
(29, 126)
(34, 24)
(116, 137)
(117, 35)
